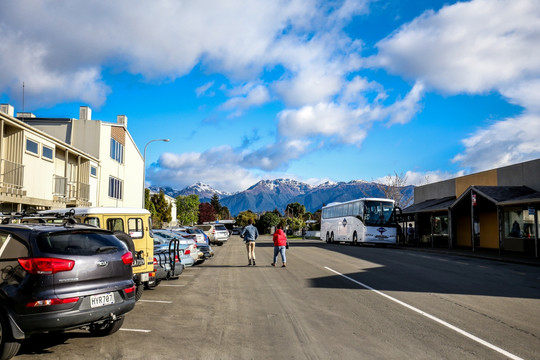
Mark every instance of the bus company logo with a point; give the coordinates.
(344, 222)
(381, 230)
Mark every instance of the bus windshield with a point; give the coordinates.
(379, 213)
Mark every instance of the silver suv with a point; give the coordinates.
(217, 233)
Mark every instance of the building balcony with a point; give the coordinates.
(73, 193)
(11, 178)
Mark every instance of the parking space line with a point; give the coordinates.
(442, 322)
(136, 330)
(170, 285)
(156, 301)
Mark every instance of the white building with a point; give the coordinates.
(59, 162)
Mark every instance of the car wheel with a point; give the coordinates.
(219, 244)
(8, 347)
(138, 292)
(107, 328)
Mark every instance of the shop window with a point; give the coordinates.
(440, 225)
(518, 223)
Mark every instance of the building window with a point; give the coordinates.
(93, 171)
(32, 147)
(117, 151)
(519, 223)
(115, 188)
(47, 152)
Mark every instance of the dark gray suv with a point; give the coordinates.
(61, 277)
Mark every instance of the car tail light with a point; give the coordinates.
(187, 252)
(176, 258)
(45, 266)
(127, 258)
(129, 290)
(49, 302)
(155, 262)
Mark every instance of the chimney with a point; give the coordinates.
(25, 115)
(122, 120)
(7, 109)
(85, 113)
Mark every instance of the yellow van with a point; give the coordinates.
(133, 221)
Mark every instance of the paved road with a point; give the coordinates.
(331, 302)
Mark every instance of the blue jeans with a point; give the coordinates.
(279, 250)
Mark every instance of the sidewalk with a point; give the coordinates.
(488, 254)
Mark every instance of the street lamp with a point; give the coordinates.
(144, 166)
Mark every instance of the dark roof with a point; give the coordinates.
(503, 195)
(430, 205)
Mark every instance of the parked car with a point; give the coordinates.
(217, 233)
(203, 242)
(164, 237)
(167, 263)
(199, 235)
(60, 277)
(191, 239)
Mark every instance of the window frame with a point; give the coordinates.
(43, 147)
(29, 151)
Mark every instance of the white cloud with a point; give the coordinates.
(219, 167)
(471, 47)
(422, 178)
(503, 143)
(476, 47)
(249, 95)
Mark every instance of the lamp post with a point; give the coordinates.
(144, 166)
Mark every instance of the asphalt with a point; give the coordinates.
(487, 254)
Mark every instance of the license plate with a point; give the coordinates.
(101, 299)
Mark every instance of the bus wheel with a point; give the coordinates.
(332, 238)
(354, 240)
(327, 238)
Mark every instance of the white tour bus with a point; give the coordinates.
(367, 220)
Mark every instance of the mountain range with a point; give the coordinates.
(267, 195)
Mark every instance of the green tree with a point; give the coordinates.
(148, 204)
(295, 210)
(244, 216)
(163, 209)
(295, 224)
(267, 221)
(215, 204)
(187, 209)
(224, 213)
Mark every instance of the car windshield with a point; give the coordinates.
(79, 243)
(221, 227)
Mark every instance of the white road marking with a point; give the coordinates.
(170, 285)
(442, 322)
(136, 330)
(156, 301)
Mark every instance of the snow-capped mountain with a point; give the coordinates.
(267, 195)
(205, 191)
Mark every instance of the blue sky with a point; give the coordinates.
(301, 89)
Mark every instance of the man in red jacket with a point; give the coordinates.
(280, 246)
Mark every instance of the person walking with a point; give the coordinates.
(280, 246)
(250, 234)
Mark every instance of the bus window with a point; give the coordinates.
(115, 224)
(135, 228)
(92, 221)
